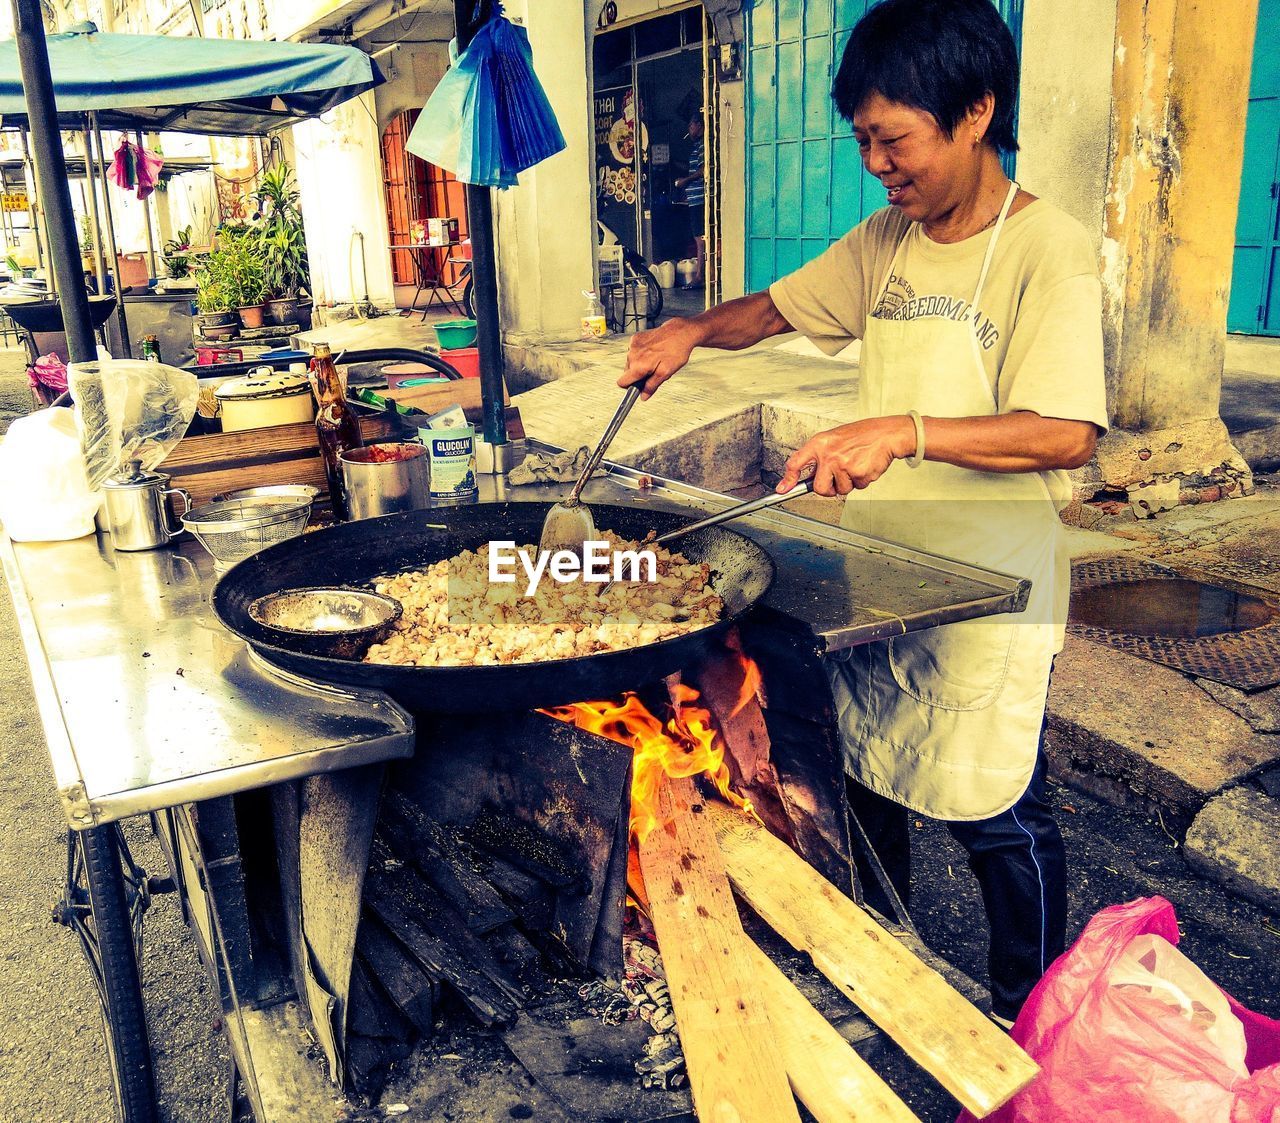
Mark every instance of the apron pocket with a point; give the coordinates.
(960, 666)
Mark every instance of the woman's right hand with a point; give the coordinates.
(654, 356)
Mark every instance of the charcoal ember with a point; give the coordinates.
(642, 958)
(663, 1022)
(668, 1060)
(634, 990)
(662, 1072)
(657, 992)
(597, 992)
(659, 1043)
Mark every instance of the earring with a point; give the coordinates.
(977, 140)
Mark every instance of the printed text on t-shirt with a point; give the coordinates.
(900, 302)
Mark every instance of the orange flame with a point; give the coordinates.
(685, 745)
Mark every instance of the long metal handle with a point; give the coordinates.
(737, 512)
(620, 415)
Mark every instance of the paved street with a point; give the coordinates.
(51, 1062)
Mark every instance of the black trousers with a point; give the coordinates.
(1020, 863)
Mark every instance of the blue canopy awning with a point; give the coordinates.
(227, 87)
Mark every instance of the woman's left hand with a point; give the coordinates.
(851, 456)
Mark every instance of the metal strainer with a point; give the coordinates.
(233, 529)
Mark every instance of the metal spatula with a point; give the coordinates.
(804, 487)
(569, 524)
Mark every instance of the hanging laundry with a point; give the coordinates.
(134, 166)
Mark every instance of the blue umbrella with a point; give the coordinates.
(232, 87)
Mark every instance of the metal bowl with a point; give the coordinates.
(337, 622)
(267, 491)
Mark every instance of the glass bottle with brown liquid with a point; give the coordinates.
(337, 426)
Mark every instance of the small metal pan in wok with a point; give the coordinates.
(358, 552)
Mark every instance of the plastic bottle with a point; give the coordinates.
(594, 326)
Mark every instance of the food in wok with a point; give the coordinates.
(455, 615)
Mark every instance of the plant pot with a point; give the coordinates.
(305, 308)
(220, 333)
(283, 310)
(216, 320)
(251, 317)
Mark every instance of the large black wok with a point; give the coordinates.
(358, 552)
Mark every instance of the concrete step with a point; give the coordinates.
(1138, 734)
(1235, 839)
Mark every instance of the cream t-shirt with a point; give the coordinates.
(1039, 319)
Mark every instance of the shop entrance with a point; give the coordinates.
(415, 192)
(656, 187)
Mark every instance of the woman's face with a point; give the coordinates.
(925, 173)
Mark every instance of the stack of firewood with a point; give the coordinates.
(458, 916)
(750, 1039)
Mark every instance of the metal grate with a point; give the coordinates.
(1246, 660)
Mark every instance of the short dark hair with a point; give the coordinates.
(940, 56)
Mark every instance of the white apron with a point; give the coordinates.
(947, 720)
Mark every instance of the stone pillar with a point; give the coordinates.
(1180, 88)
(546, 235)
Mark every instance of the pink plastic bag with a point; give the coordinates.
(49, 372)
(1115, 1046)
(135, 166)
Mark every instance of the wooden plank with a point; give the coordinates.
(934, 1024)
(417, 838)
(277, 454)
(484, 998)
(830, 1079)
(735, 1071)
(409, 987)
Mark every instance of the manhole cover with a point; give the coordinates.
(1156, 613)
(1169, 606)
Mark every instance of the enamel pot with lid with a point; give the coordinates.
(265, 397)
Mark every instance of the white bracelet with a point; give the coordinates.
(916, 458)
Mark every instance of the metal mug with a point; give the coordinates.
(138, 511)
(384, 487)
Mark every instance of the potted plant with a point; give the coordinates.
(284, 242)
(238, 260)
(217, 314)
(179, 258)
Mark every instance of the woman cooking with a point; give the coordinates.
(980, 383)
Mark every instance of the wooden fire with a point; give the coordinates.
(475, 903)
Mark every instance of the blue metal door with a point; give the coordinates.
(1255, 275)
(806, 187)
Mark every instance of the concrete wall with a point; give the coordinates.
(1064, 123)
(544, 225)
(339, 167)
(733, 190)
(412, 73)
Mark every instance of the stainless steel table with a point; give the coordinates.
(849, 588)
(148, 703)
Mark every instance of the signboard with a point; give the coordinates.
(15, 201)
(617, 130)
